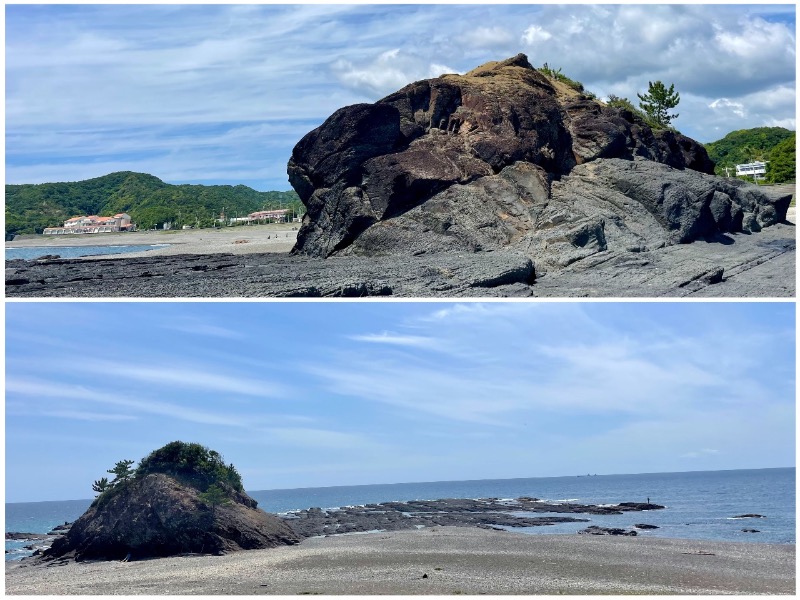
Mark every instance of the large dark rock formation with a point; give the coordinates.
(504, 158)
(156, 515)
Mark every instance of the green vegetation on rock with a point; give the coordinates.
(189, 463)
(627, 105)
(556, 74)
(149, 201)
(658, 100)
(192, 463)
(746, 145)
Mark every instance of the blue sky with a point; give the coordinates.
(317, 394)
(221, 93)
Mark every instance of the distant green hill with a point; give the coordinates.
(148, 200)
(745, 145)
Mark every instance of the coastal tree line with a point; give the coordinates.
(149, 201)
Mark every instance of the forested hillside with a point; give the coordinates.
(745, 145)
(148, 200)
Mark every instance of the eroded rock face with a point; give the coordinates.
(504, 158)
(158, 516)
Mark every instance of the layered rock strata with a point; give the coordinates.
(504, 158)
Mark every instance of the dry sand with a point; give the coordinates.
(456, 561)
(248, 239)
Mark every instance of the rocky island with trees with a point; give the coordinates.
(184, 499)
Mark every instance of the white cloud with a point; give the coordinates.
(505, 363)
(395, 339)
(721, 104)
(88, 416)
(194, 93)
(487, 37)
(535, 34)
(386, 73)
(44, 389)
(196, 326)
(700, 453)
(179, 376)
(315, 438)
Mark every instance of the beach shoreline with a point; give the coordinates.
(249, 239)
(438, 560)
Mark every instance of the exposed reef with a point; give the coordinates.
(489, 513)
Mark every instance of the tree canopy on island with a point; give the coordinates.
(190, 463)
(148, 200)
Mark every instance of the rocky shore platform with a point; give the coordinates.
(726, 265)
(440, 561)
(487, 513)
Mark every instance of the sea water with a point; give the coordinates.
(700, 505)
(75, 251)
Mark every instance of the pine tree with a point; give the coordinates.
(657, 101)
(101, 485)
(214, 496)
(122, 471)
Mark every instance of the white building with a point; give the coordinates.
(93, 224)
(756, 169)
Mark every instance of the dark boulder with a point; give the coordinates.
(645, 526)
(21, 535)
(506, 158)
(596, 530)
(628, 506)
(156, 515)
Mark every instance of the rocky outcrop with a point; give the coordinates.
(157, 516)
(504, 158)
(596, 530)
(489, 513)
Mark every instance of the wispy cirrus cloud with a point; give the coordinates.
(202, 328)
(416, 341)
(544, 360)
(41, 390)
(180, 375)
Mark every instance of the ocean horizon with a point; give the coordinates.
(699, 504)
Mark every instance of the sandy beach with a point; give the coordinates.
(250, 239)
(456, 560)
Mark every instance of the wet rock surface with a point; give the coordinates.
(489, 513)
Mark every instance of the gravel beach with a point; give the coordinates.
(456, 560)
